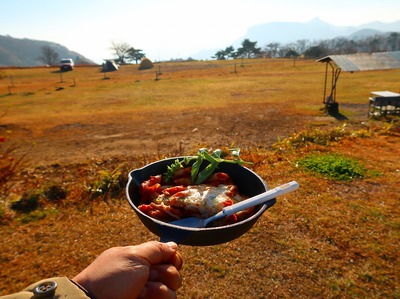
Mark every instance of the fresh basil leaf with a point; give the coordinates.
(217, 153)
(202, 156)
(210, 158)
(195, 168)
(206, 172)
(172, 169)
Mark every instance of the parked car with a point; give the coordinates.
(66, 64)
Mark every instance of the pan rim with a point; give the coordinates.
(131, 180)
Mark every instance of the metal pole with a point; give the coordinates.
(326, 79)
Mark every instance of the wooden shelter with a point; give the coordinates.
(353, 63)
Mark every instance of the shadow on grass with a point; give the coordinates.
(338, 116)
(333, 110)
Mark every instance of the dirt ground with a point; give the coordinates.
(330, 240)
(99, 136)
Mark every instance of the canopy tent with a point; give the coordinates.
(354, 63)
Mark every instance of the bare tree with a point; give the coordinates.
(393, 41)
(302, 45)
(272, 49)
(121, 50)
(49, 55)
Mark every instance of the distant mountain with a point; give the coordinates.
(314, 30)
(25, 52)
(364, 33)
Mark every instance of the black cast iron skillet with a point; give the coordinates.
(247, 181)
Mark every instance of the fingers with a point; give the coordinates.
(164, 263)
(167, 275)
(156, 290)
(155, 252)
(176, 260)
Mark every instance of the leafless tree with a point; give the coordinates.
(121, 51)
(271, 50)
(49, 55)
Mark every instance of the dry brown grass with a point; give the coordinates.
(330, 239)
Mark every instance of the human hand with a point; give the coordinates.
(148, 270)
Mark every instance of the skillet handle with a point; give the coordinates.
(173, 234)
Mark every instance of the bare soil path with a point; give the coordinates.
(70, 141)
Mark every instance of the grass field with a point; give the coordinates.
(331, 239)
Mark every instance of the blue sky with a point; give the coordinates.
(167, 29)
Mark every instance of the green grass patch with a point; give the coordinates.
(35, 215)
(333, 166)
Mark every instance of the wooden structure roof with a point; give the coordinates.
(365, 61)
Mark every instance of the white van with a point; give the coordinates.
(66, 64)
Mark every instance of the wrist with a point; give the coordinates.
(83, 283)
(82, 288)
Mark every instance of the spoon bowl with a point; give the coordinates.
(240, 206)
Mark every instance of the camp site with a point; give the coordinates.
(76, 136)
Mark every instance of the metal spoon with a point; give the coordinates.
(240, 206)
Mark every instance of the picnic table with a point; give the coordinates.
(384, 103)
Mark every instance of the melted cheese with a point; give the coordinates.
(203, 199)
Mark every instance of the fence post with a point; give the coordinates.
(11, 80)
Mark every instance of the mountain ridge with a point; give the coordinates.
(290, 32)
(316, 29)
(25, 51)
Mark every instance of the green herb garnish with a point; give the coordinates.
(197, 176)
(175, 167)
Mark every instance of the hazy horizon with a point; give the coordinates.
(174, 28)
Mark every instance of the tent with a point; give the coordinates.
(145, 64)
(109, 66)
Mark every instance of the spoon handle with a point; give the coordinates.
(261, 198)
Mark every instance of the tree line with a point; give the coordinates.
(124, 53)
(313, 49)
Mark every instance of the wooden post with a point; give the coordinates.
(11, 80)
